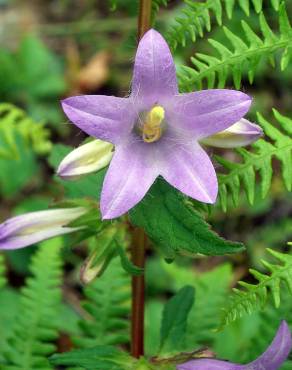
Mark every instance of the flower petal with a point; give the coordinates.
(87, 158)
(30, 228)
(241, 133)
(104, 117)
(208, 364)
(204, 113)
(131, 173)
(276, 353)
(154, 72)
(274, 356)
(188, 168)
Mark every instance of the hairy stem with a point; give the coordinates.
(139, 237)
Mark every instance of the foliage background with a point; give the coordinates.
(54, 49)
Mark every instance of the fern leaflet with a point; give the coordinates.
(213, 71)
(197, 17)
(259, 160)
(15, 125)
(36, 322)
(255, 296)
(108, 305)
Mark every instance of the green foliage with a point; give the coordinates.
(36, 321)
(211, 289)
(175, 226)
(254, 296)
(212, 71)
(108, 304)
(32, 76)
(87, 186)
(156, 5)
(2, 272)
(96, 358)
(197, 17)
(243, 174)
(174, 320)
(15, 125)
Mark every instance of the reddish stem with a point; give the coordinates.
(138, 295)
(139, 237)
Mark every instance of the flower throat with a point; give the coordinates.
(152, 125)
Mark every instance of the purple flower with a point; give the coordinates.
(241, 133)
(156, 130)
(30, 228)
(97, 154)
(271, 359)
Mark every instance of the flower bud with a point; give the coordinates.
(241, 133)
(87, 158)
(31, 228)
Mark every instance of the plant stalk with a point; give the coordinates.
(139, 236)
(144, 21)
(138, 294)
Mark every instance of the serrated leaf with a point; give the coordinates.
(175, 225)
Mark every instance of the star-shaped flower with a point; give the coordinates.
(271, 359)
(156, 131)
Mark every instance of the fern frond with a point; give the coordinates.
(108, 305)
(254, 296)
(259, 160)
(269, 321)
(15, 125)
(197, 17)
(156, 5)
(36, 322)
(213, 70)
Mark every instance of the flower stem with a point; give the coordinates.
(144, 22)
(138, 294)
(139, 236)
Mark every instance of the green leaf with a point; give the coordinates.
(242, 174)
(175, 226)
(96, 358)
(87, 186)
(255, 296)
(242, 57)
(174, 319)
(107, 303)
(36, 322)
(127, 264)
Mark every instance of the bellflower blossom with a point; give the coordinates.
(33, 227)
(156, 131)
(271, 359)
(97, 154)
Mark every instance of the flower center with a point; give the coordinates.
(152, 124)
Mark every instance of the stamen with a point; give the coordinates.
(152, 130)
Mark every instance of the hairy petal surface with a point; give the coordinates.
(188, 168)
(204, 113)
(154, 75)
(131, 173)
(274, 356)
(241, 133)
(105, 117)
